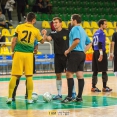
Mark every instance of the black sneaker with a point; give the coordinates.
(78, 99)
(107, 89)
(66, 100)
(95, 89)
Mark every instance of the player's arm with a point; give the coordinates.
(39, 37)
(35, 47)
(111, 55)
(88, 44)
(100, 47)
(13, 43)
(112, 47)
(45, 37)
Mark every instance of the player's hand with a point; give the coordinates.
(44, 32)
(100, 58)
(110, 57)
(12, 56)
(35, 51)
(66, 53)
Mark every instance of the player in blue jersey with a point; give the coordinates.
(100, 62)
(79, 43)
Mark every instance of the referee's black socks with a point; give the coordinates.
(70, 83)
(80, 87)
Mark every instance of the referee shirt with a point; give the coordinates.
(61, 41)
(77, 32)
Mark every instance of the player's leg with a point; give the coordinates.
(15, 89)
(94, 82)
(115, 65)
(103, 67)
(17, 70)
(12, 85)
(28, 70)
(26, 95)
(29, 88)
(104, 80)
(95, 72)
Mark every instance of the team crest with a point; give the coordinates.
(64, 37)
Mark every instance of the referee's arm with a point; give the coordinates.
(74, 44)
(88, 46)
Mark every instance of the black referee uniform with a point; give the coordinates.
(61, 43)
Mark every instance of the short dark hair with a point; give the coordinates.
(76, 17)
(101, 22)
(57, 18)
(30, 16)
(0, 10)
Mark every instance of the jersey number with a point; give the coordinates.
(95, 42)
(27, 34)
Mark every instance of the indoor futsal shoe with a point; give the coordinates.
(30, 101)
(78, 99)
(57, 97)
(107, 89)
(67, 99)
(9, 100)
(95, 90)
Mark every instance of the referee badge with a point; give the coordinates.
(64, 37)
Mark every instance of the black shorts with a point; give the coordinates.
(99, 66)
(115, 63)
(76, 61)
(60, 61)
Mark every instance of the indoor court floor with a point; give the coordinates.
(93, 105)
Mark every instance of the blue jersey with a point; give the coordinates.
(99, 36)
(77, 32)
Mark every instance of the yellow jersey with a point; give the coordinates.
(26, 34)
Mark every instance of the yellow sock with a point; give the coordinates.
(29, 87)
(12, 85)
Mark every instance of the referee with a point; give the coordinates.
(61, 43)
(100, 62)
(79, 43)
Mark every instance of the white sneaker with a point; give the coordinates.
(9, 100)
(11, 20)
(30, 101)
(20, 22)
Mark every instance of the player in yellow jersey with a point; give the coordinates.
(22, 53)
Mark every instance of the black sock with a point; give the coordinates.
(104, 84)
(70, 83)
(80, 87)
(93, 85)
